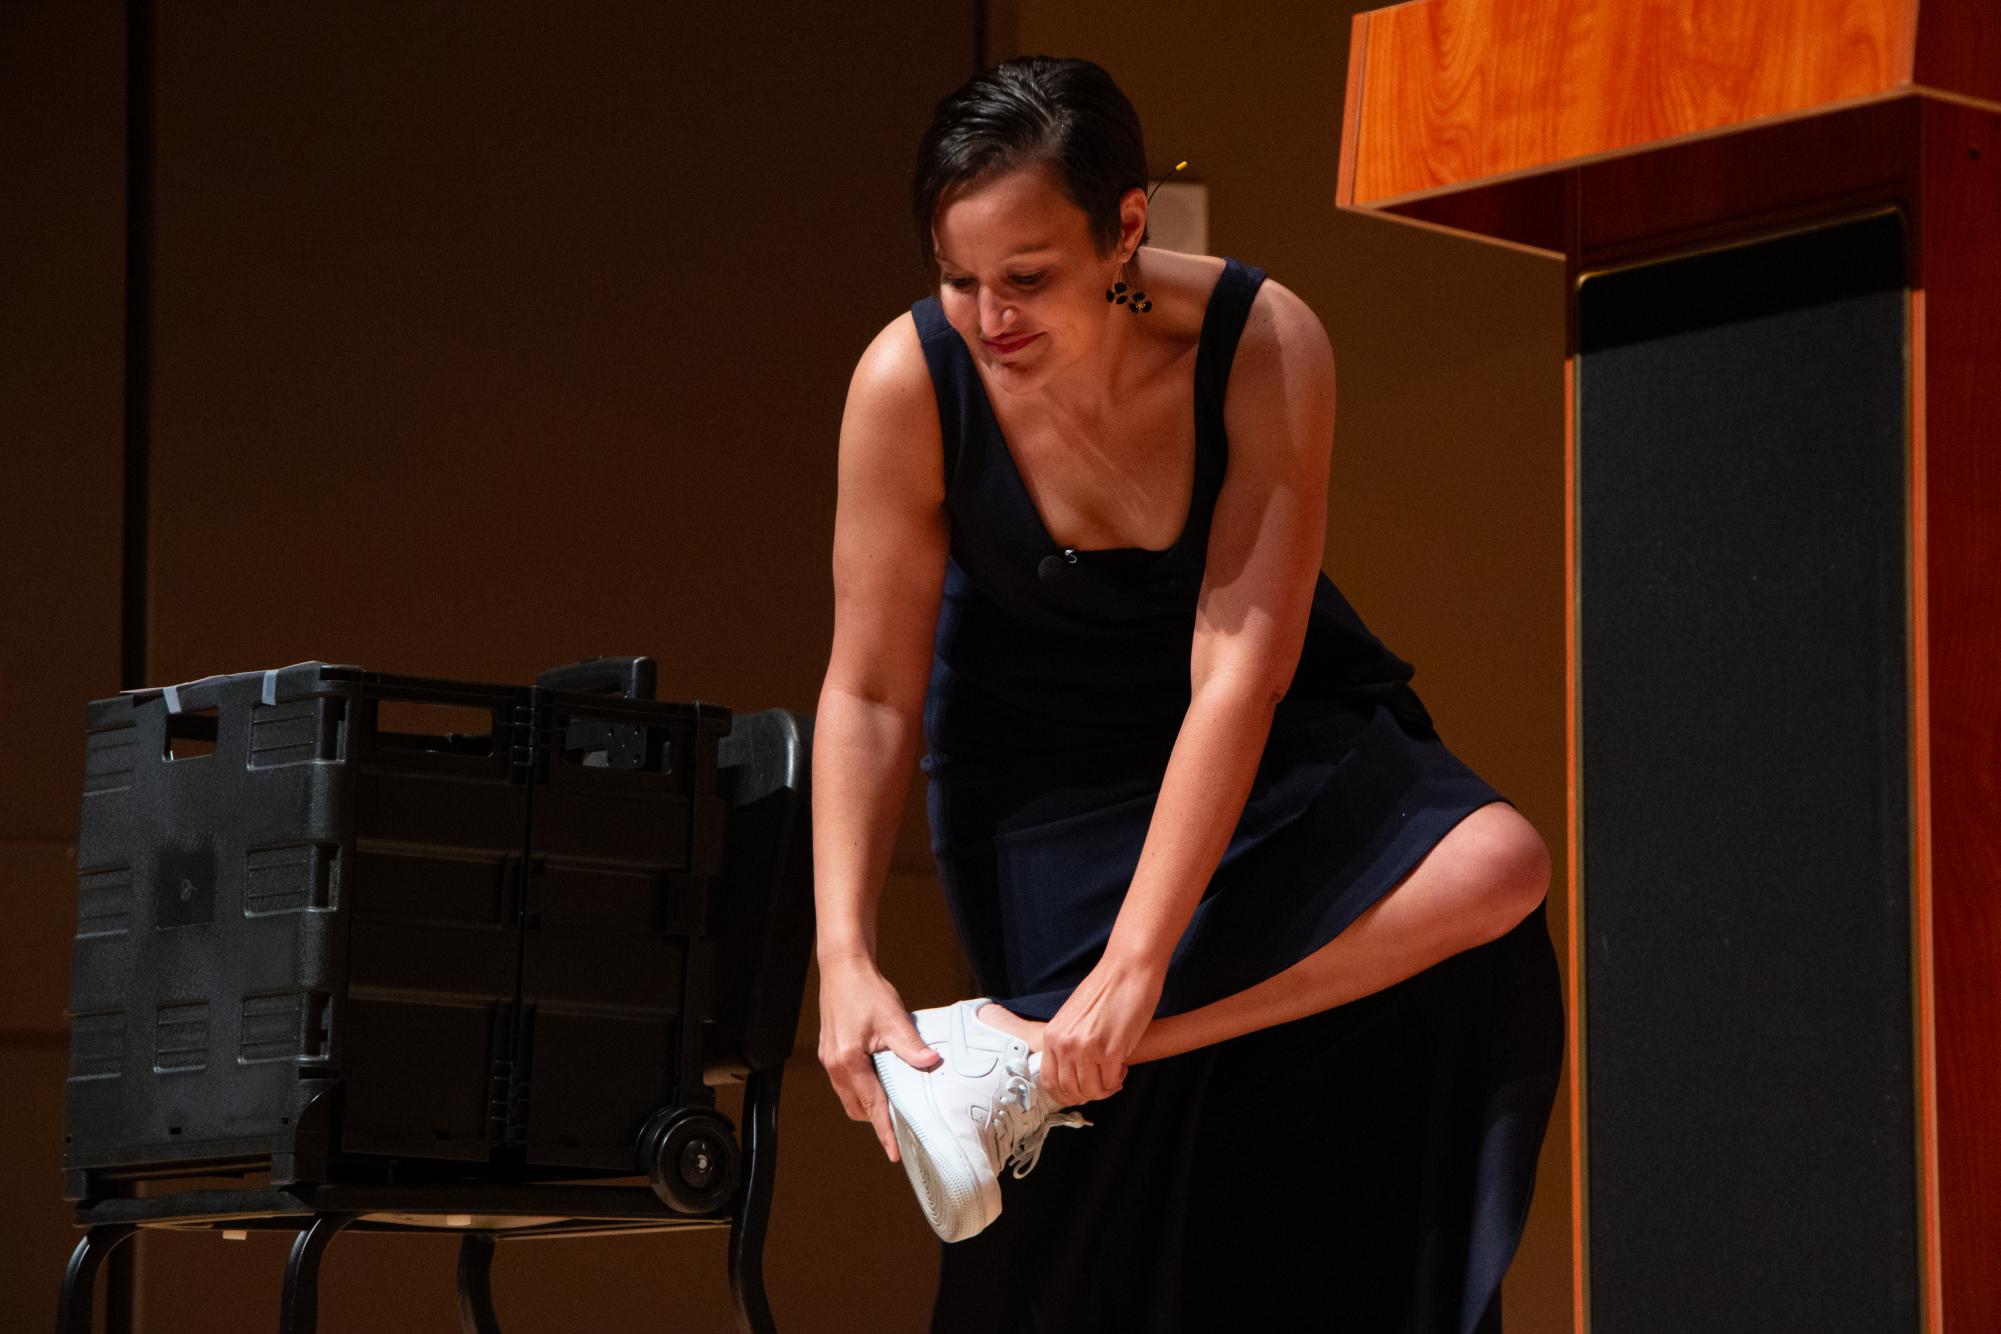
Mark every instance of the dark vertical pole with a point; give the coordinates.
(139, 60)
(121, 1271)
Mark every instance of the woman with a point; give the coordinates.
(1221, 885)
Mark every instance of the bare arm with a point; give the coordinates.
(890, 540)
(1265, 551)
(1264, 556)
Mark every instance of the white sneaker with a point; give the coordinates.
(960, 1122)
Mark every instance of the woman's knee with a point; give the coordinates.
(1513, 864)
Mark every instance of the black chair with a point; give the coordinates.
(743, 937)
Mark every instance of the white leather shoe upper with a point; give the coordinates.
(985, 1089)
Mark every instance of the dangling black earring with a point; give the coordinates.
(1137, 302)
(1116, 294)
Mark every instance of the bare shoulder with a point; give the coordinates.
(1281, 386)
(891, 530)
(891, 374)
(1282, 327)
(890, 425)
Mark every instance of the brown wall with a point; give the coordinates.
(491, 336)
(61, 292)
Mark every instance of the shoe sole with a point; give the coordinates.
(934, 1161)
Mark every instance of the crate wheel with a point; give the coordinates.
(690, 1154)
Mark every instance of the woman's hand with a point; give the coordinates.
(1085, 1046)
(860, 1014)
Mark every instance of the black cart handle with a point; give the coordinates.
(634, 678)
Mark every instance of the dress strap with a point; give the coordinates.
(952, 377)
(1222, 327)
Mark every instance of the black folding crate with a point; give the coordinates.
(627, 825)
(320, 939)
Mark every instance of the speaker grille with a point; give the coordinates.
(1744, 788)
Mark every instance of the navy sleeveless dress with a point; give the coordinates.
(1364, 1169)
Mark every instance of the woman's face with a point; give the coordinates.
(1020, 278)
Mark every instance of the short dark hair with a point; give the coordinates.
(1033, 109)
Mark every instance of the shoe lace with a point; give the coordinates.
(1024, 1119)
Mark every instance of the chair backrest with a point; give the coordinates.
(760, 919)
(761, 915)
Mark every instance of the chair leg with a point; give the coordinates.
(301, 1311)
(476, 1285)
(80, 1281)
(753, 1213)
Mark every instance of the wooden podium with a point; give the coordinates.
(1781, 221)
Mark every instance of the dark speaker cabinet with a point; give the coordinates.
(1744, 788)
(1780, 227)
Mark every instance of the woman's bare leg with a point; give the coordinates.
(1485, 875)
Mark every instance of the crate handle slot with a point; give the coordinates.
(412, 724)
(191, 735)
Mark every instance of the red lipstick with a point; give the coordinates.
(1007, 346)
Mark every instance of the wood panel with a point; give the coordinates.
(1763, 179)
(1962, 400)
(62, 238)
(62, 259)
(1573, 939)
(1959, 48)
(1458, 90)
(35, 1231)
(40, 876)
(1756, 178)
